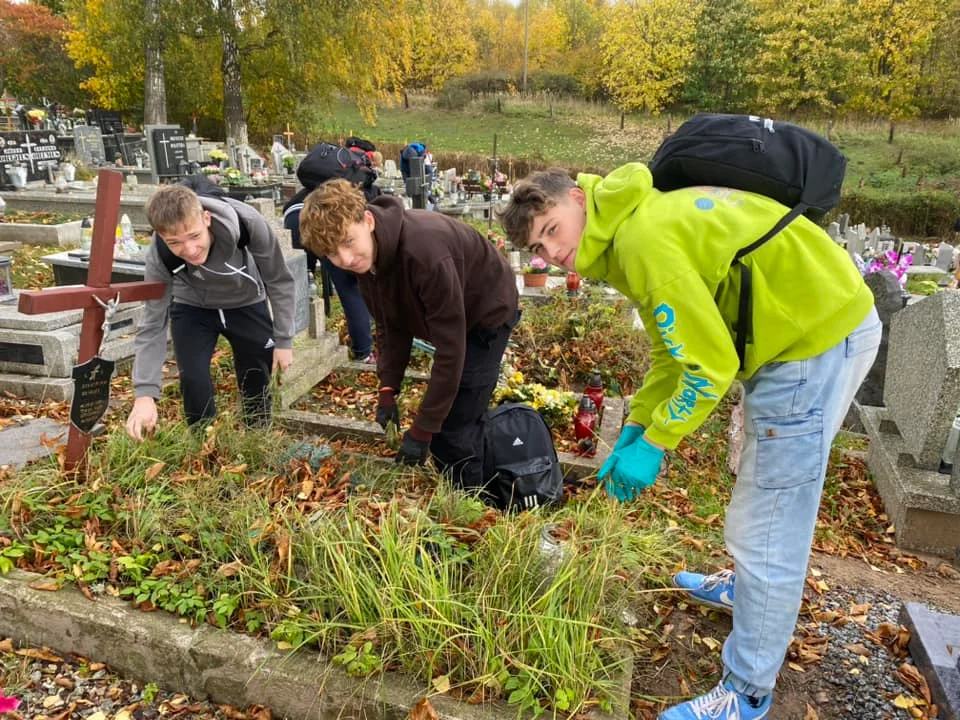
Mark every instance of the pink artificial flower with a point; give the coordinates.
(538, 263)
(8, 704)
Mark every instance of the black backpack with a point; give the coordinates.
(793, 165)
(204, 187)
(520, 465)
(326, 161)
(360, 143)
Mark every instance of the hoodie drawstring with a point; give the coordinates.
(223, 318)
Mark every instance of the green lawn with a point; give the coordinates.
(579, 134)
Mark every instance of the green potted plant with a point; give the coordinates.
(535, 273)
(289, 163)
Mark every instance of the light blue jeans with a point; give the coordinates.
(792, 411)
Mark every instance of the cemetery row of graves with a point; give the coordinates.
(308, 538)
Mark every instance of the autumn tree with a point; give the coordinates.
(804, 62)
(583, 24)
(938, 89)
(441, 43)
(892, 38)
(647, 49)
(725, 48)
(34, 63)
(106, 39)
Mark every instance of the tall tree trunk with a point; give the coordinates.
(526, 42)
(236, 126)
(155, 85)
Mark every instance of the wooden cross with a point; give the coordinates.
(84, 297)
(288, 135)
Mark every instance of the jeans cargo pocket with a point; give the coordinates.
(789, 450)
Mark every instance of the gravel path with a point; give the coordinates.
(861, 671)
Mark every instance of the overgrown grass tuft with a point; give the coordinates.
(382, 568)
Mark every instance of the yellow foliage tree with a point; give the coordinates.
(443, 43)
(804, 61)
(893, 38)
(106, 37)
(647, 48)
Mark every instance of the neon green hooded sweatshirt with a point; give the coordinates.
(671, 254)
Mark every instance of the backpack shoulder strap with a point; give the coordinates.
(745, 308)
(171, 262)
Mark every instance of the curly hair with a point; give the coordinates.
(327, 214)
(531, 197)
(172, 206)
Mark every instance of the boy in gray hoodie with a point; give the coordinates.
(220, 289)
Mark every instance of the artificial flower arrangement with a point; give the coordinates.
(218, 155)
(232, 176)
(891, 261)
(556, 406)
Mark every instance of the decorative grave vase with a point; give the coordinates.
(69, 171)
(18, 177)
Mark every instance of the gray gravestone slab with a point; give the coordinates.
(843, 222)
(926, 334)
(888, 298)
(856, 243)
(19, 444)
(833, 230)
(54, 353)
(935, 648)
(13, 319)
(944, 259)
(924, 270)
(88, 144)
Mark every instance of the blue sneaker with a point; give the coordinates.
(721, 703)
(714, 590)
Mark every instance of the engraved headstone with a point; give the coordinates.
(31, 150)
(88, 145)
(167, 145)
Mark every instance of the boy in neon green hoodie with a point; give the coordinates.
(814, 336)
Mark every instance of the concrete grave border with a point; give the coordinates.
(222, 666)
(62, 234)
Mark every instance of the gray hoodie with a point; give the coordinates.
(227, 280)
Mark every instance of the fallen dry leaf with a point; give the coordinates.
(423, 710)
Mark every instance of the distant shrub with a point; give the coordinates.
(915, 213)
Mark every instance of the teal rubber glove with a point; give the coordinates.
(636, 469)
(629, 435)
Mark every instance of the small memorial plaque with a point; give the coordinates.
(91, 392)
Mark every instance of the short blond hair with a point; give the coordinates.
(328, 212)
(530, 198)
(172, 206)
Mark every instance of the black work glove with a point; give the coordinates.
(415, 448)
(387, 409)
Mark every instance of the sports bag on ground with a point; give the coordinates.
(520, 463)
(794, 166)
(204, 187)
